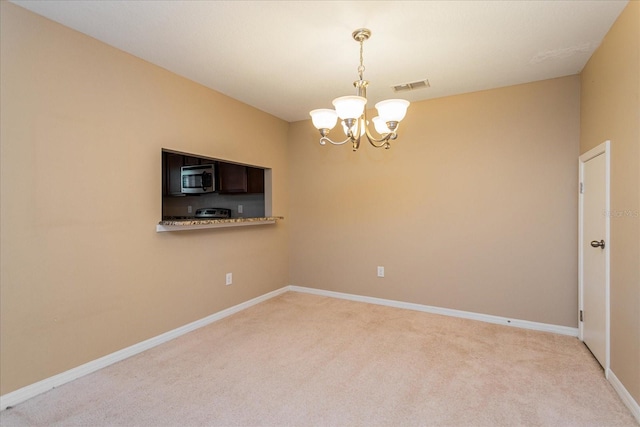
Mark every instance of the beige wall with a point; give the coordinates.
(473, 208)
(611, 110)
(84, 272)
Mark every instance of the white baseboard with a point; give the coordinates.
(525, 324)
(32, 390)
(624, 394)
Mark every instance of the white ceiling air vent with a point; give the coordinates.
(422, 84)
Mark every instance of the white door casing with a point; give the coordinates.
(593, 260)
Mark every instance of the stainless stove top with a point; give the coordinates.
(217, 213)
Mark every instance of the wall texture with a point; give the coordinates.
(473, 208)
(83, 271)
(611, 110)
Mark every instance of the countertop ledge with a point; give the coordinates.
(199, 224)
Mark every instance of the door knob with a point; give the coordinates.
(596, 244)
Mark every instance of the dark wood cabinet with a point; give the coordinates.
(190, 161)
(232, 178)
(255, 180)
(172, 174)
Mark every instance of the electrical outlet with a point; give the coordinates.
(189, 209)
(240, 209)
(380, 271)
(229, 279)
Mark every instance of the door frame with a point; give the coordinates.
(602, 149)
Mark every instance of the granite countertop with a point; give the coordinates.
(218, 221)
(206, 221)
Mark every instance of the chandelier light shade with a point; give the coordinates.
(349, 107)
(392, 110)
(353, 112)
(380, 125)
(324, 118)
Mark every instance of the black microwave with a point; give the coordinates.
(198, 179)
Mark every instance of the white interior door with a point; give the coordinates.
(594, 252)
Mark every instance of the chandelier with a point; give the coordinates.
(351, 110)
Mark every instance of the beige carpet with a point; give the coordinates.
(305, 360)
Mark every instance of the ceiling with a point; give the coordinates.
(289, 57)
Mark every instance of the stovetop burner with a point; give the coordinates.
(213, 213)
(200, 214)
